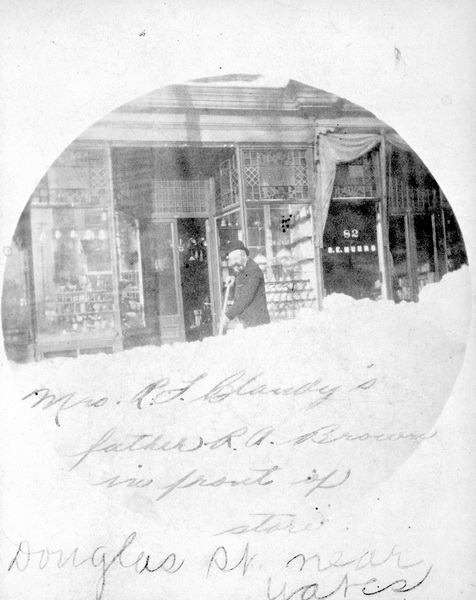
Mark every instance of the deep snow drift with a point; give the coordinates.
(362, 381)
(419, 342)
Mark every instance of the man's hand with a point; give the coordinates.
(224, 321)
(230, 280)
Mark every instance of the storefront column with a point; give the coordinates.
(318, 225)
(411, 250)
(316, 215)
(118, 344)
(443, 220)
(382, 227)
(214, 260)
(435, 239)
(441, 231)
(241, 192)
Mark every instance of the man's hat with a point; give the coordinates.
(236, 245)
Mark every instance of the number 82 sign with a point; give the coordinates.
(351, 233)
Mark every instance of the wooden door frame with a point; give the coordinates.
(177, 279)
(214, 265)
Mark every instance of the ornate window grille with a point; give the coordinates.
(397, 191)
(409, 187)
(422, 200)
(403, 198)
(181, 196)
(275, 175)
(77, 177)
(357, 179)
(41, 195)
(226, 185)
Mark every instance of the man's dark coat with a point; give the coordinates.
(249, 304)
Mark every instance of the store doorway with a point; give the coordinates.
(195, 278)
(350, 256)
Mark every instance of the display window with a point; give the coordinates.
(280, 240)
(453, 252)
(15, 302)
(73, 270)
(131, 297)
(161, 280)
(399, 267)
(226, 185)
(425, 249)
(229, 229)
(275, 174)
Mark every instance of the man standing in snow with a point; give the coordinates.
(249, 303)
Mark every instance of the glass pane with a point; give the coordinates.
(131, 301)
(226, 184)
(399, 270)
(77, 177)
(456, 253)
(275, 174)
(291, 281)
(357, 179)
(164, 264)
(73, 271)
(280, 240)
(256, 227)
(425, 250)
(15, 305)
(229, 230)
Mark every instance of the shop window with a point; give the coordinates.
(73, 271)
(181, 196)
(226, 185)
(422, 200)
(425, 249)
(229, 230)
(15, 302)
(275, 174)
(131, 298)
(280, 240)
(456, 255)
(166, 284)
(160, 263)
(399, 267)
(397, 196)
(357, 179)
(78, 177)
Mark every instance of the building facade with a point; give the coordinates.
(122, 242)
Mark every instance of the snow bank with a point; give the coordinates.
(413, 349)
(369, 377)
(447, 304)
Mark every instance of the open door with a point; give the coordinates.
(161, 268)
(194, 258)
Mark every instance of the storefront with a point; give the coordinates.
(123, 241)
(417, 213)
(350, 248)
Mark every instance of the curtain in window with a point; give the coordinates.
(335, 148)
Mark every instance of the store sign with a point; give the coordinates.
(350, 249)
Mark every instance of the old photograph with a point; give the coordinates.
(235, 310)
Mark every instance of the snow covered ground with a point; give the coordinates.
(361, 382)
(291, 428)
